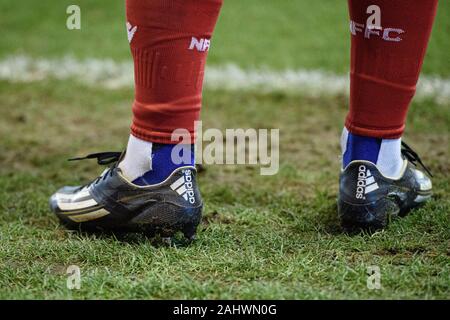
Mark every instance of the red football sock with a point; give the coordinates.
(389, 40)
(169, 41)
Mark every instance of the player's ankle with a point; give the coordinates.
(385, 153)
(148, 163)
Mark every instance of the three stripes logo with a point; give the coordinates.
(184, 186)
(366, 182)
(80, 206)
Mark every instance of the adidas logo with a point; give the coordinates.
(184, 186)
(131, 31)
(366, 182)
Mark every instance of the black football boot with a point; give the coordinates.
(111, 202)
(368, 199)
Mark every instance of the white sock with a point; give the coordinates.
(138, 158)
(389, 161)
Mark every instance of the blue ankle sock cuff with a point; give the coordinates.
(162, 164)
(361, 148)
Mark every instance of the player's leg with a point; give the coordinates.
(148, 188)
(169, 41)
(389, 40)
